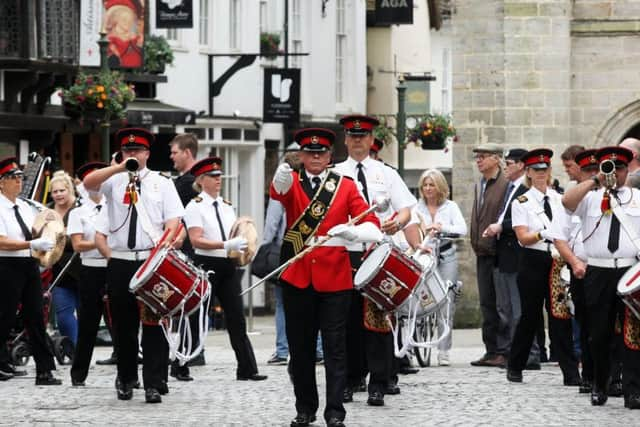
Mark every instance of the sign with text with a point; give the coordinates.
(174, 13)
(281, 98)
(90, 23)
(394, 12)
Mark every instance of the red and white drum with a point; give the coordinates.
(198, 296)
(629, 289)
(165, 281)
(396, 282)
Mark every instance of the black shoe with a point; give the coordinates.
(392, 389)
(47, 378)
(598, 398)
(151, 395)
(302, 420)
(482, 360)
(406, 370)
(514, 376)
(375, 399)
(124, 391)
(585, 386)
(77, 383)
(5, 377)
(197, 361)
(632, 401)
(347, 395)
(181, 373)
(532, 367)
(335, 422)
(9, 369)
(615, 389)
(112, 360)
(252, 377)
(164, 388)
(277, 360)
(572, 381)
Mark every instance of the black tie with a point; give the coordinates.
(215, 205)
(133, 222)
(316, 181)
(363, 182)
(547, 208)
(23, 226)
(98, 207)
(614, 231)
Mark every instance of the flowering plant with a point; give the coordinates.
(103, 96)
(157, 54)
(432, 131)
(269, 43)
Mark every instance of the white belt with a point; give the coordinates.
(131, 255)
(218, 253)
(541, 246)
(94, 262)
(22, 253)
(612, 262)
(336, 241)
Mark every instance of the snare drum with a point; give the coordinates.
(165, 281)
(396, 282)
(629, 289)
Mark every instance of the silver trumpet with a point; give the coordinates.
(608, 170)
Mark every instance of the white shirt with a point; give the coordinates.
(529, 212)
(597, 239)
(448, 214)
(201, 213)
(9, 226)
(82, 220)
(161, 201)
(568, 227)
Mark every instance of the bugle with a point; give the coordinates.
(608, 170)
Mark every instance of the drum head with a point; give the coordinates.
(630, 282)
(371, 265)
(147, 269)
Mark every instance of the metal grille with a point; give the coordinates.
(58, 30)
(10, 34)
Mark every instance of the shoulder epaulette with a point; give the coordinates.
(522, 199)
(227, 202)
(197, 199)
(392, 167)
(165, 175)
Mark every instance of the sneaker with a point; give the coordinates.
(443, 358)
(277, 360)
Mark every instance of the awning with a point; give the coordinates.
(152, 112)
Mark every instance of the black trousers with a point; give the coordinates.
(21, 284)
(125, 317)
(226, 286)
(603, 306)
(577, 295)
(485, 265)
(533, 284)
(91, 290)
(307, 312)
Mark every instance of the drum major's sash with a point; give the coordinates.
(307, 224)
(558, 297)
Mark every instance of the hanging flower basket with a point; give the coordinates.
(269, 44)
(432, 132)
(432, 142)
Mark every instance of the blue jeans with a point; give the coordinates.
(282, 346)
(65, 302)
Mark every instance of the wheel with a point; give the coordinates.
(62, 349)
(20, 354)
(426, 330)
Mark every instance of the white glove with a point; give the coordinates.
(41, 244)
(368, 233)
(347, 232)
(546, 235)
(236, 244)
(282, 179)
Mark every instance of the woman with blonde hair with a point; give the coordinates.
(439, 214)
(65, 294)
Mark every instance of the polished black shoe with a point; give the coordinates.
(406, 370)
(252, 377)
(197, 361)
(335, 422)
(615, 389)
(392, 389)
(10, 369)
(302, 420)
(164, 388)
(347, 395)
(375, 399)
(181, 373)
(47, 378)
(572, 381)
(632, 401)
(532, 367)
(5, 377)
(123, 391)
(482, 360)
(152, 395)
(77, 383)
(598, 398)
(585, 387)
(112, 360)
(514, 376)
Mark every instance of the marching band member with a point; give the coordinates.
(209, 219)
(21, 277)
(139, 205)
(369, 338)
(610, 252)
(532, 214)
(93, 273)
(439, 214)
(319, 202)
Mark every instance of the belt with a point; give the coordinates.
(217, 253)
(331, 242)
(611, 262)
(94, 262)
(131, 255)
(22, 253)
(541, 246)
(445, 246)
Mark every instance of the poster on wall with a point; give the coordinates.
(123, 21)
(174, 14)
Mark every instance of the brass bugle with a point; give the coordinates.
(608, 169)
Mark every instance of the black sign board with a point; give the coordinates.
(394, 12)
(174, 13)
(281, 99)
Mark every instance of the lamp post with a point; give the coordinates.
(104, 125)
(400, 123)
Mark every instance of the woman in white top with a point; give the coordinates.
(439, 214)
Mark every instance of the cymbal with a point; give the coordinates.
(244, 227)
(48, 224)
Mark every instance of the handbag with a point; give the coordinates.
(267, 259)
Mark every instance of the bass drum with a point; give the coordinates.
(244, 227)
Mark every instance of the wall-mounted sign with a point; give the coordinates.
(174, 13)
(394, 12)
(281, 99)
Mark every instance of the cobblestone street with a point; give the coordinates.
(457, 395)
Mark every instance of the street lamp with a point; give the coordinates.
(103, 42)
(400, 123)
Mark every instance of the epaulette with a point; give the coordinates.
(227, 202)
(522, 199)
(387, 164)
(165, 174)
(197, 199)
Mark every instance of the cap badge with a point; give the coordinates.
(542, 158)
(132, 138)
(315, 140)
(614, 156)
(356, 124)
(592, 159)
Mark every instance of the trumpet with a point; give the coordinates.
(608, 170)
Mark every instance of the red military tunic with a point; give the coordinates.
(327, 269)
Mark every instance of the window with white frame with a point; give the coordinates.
(203, 21)
(296, 33)
(341, 48)
(172, 35)
(234, 24)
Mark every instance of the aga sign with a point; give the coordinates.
(394, 11)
